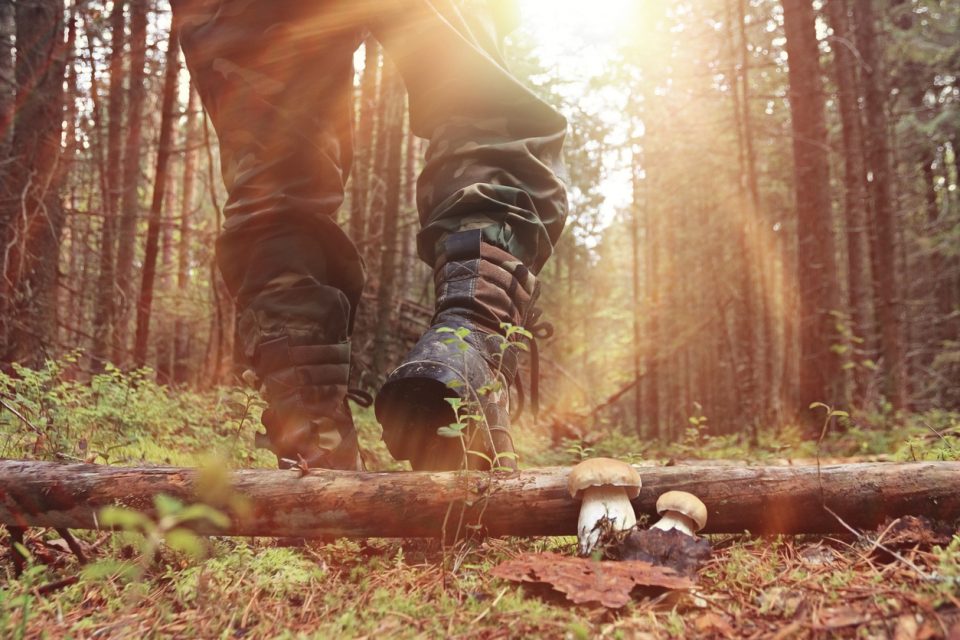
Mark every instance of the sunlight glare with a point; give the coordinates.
(567, 24)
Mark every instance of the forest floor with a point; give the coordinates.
(752, 587)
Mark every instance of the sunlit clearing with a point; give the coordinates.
(596, 22)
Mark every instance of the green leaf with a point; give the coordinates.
(167, 505)
(126, 519)
(109, 568)
(451, 431)
(23, 551)
(481, 455)
(186, 542)
(204, 512)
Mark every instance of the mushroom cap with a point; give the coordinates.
(685, 503)
(603, 472)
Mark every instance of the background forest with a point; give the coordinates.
(765, 216)
(764, 209)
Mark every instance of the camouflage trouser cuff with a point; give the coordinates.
(303, 315)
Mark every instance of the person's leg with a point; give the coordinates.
(276, 80)
(492, 205)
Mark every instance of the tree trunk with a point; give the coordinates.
(533, 502)
(130, 201)
(386, 290)
(7, 81)
(105, 303)
(181, 338)
(31, 220)
(167, 117)
(408, 211)
(636, 208)
(360, 177)
(821, 377)
(889, 314)
(854, 181)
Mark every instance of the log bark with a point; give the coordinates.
(534, 502)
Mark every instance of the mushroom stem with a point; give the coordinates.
(599, 503)
(678, 521)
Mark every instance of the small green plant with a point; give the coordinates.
(580, 451)
(170, 529)
(468, 412)
(17, 597)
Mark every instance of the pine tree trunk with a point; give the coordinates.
(854, 181)
(7, 80)
(360, 176)
(652, 286)
(167, 117)
(105, 301)
(408, 209)
(32, 222)
(181, 338)
(820, 376)
(889, 311)
(130, 201)
(635, 274)
(386, 291)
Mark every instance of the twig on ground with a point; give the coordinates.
(860, 536)
(56, 585)
(73, 544)
(21, 417)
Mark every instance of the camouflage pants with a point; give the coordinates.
(276, 78)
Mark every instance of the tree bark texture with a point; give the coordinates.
(181, 336)
(534, 502)
(7, 94)
(31, 219)
(130, 200)
(855, 199)
(145, 299)
(389, 278)
(104, 304)
(889, 312)
(360, 175)
(819, 295)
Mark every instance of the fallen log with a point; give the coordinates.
(533, 502)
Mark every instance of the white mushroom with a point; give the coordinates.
(682, 511)
(606, 487)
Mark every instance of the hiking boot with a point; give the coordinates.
(304, 383)
(469, 353)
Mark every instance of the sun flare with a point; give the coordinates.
(595, 22)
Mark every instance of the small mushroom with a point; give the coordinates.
(682, 511)
(606, 487)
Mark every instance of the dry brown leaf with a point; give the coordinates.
(711, 622)
(583, 580)
(843, 616)
(907, 627)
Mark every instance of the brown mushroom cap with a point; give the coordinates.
(603, 472)
(685, 503)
